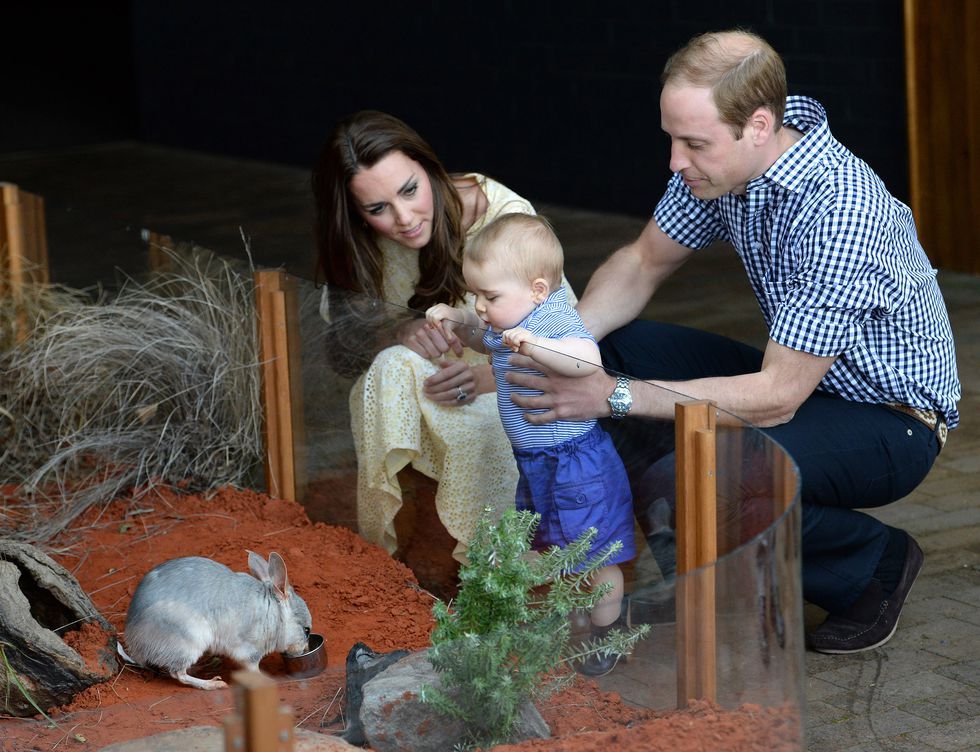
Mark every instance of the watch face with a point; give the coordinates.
(620, 400)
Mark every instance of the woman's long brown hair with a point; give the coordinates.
(348, 255)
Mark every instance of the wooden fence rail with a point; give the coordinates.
(277, 307)
(697, 546)
(259, 723)
(23, 247)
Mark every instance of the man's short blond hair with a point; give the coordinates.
(742, 70)
(524, 243)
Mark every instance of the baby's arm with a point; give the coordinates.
(569, 356)
(457, 322)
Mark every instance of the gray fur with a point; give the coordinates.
(192, 606)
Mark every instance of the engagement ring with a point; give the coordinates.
(460, 394)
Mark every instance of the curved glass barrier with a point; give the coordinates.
(752, 584)
(718, 588)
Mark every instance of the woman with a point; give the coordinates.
(392, 224)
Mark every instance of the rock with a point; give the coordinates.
(39, 599)
(394, 718)
(362, 665)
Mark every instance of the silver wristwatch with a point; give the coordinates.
(621, 399)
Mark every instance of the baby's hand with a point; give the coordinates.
(441, 316)
(514, 338)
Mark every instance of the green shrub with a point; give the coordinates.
(505, 638)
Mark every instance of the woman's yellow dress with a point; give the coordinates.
(464, 449)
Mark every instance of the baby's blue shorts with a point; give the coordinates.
(575, 485)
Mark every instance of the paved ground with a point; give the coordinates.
(920, 692)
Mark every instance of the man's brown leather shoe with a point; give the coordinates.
(872, 620)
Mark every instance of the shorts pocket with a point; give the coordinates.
(580, 507)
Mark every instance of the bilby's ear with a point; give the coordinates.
(258, 566)
(277, 574)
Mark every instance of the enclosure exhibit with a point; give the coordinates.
(131, 412)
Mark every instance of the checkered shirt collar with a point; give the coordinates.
(792, 168)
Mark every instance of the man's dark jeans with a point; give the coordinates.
(850, 455)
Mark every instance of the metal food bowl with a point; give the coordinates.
(310, 663)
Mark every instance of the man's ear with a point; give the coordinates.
(761, 125)
(540, 289)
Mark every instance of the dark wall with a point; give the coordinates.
(67, 75)
(557, 98)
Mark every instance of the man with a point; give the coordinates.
(858, 379)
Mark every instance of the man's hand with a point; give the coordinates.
(562, 397)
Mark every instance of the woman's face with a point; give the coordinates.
(395, 199)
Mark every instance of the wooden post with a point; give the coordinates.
(157, 246)
(260, 723)
(6, 278)
(277, 308)
(23, 234)
(23, 247)
(16, 239)
(942, 94)
(697, 546)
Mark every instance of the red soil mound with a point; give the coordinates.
(356, 593)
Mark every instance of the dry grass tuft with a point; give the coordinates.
(26, 308)
(158, 386)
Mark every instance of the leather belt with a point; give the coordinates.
(929, 418)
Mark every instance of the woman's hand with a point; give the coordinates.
(417, 335)
(457, 383)
(562, 397)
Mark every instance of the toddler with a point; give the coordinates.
(570, 472)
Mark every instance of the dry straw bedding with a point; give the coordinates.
(157, 385)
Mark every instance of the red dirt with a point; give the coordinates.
(356, 593)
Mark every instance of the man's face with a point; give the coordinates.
(702, 147)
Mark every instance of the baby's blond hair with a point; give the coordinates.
(524, 243)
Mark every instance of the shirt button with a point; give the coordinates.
(581, 497)
(908, 431)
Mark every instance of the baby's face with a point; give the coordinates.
(502, 300)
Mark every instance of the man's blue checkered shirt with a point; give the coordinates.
(836, 266)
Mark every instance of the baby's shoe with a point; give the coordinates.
(601, 663)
